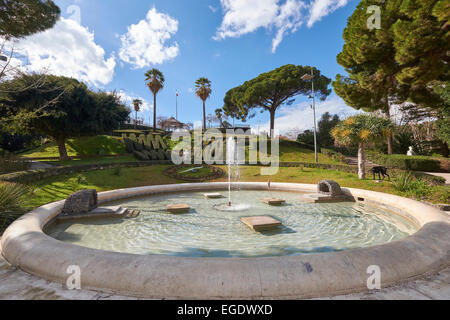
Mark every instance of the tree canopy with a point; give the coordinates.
(386, 66)
(21, 18)
(270, 90)
(59, 107)
(421, 39)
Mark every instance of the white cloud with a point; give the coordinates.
(322, 8)
(68, 49)
(145, 43)
(245, 16)
(212, 8)
(301, 116)
(128, 99)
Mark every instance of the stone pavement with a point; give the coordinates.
(18, 285)
(36, 165)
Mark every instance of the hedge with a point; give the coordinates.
(31, 176)
(338, 167)
(36, 175)
(410, 163)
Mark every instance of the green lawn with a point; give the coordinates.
(96, 145)
(58, 188)
(290, 151)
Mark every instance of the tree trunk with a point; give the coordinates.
(444, 149)
(361, 161)
(61, 142)
(204, 116)
(389, 139)
(154, 112)
(390, 145)
(272, 123)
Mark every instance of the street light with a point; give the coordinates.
(3, 58)
(308, 77)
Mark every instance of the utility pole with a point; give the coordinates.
(176, 106)
(315, 121)
(311, 77)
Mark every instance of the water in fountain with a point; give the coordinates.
(233, 175)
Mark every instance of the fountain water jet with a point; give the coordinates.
(231, 161)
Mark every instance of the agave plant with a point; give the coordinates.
(403, 181)
(12, 201)
(12, 196)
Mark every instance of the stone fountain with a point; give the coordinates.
(84, 204)
(328, 191)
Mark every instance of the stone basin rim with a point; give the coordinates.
(25, 245)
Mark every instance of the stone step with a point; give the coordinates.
(131, 213)
(261, 223)
(178, 208)
(273, 201)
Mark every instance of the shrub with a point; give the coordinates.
(82, 180)
(12, 202)
(444, 196)
(403, 181)
(117, 171)
(430, 179)
(419, 189)
(412, 186)
(10, 164)
(403, 162)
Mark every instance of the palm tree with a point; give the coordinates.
(137, 103)
(155, 82)
(203, 91)
(362, 130)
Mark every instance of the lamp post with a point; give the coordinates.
(176, 106)
(307, 77)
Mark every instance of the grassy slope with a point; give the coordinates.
(58, 188)
(96, 145)
(290, 151)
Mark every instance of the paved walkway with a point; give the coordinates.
(36, 165)
(18, 285)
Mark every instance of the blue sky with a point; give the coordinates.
(111, 43)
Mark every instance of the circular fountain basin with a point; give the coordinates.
(214, 229)
(321, 250)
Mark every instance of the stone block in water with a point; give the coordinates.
(213, 195)
(261, 223)
(178, 208)
(273, 201)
